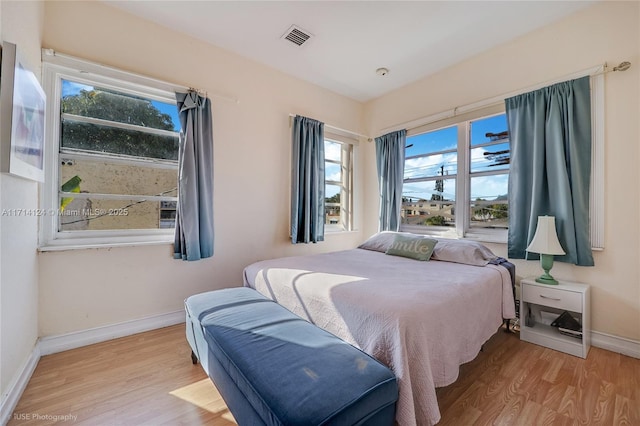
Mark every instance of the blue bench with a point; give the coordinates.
(274, 368)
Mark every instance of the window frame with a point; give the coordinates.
(55, 69)
(345, 184)
(596, 76)
(463, 175)
(480, 233)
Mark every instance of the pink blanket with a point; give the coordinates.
(422, 319)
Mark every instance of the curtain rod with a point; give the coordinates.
(72, 61)
(422, 121)
(369, 138)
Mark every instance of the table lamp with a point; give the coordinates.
(545, 242)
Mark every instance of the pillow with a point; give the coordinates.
(380, 241)
(412, 246)
(463, 251)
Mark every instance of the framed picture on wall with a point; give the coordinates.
(22, 113)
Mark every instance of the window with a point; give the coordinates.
(112, 157)
(490, 189)
(430, 170)
(168, 214)
(338, 204)
(456, 178)
(489, 173)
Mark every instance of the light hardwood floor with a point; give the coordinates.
(148, 379)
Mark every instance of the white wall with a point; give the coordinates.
(22, 25)
(82, 289)
(89, 288)
(606, 32)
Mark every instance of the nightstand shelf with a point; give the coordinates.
(539, 303)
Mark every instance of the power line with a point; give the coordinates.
(118, 208)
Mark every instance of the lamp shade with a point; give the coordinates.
(545, 240)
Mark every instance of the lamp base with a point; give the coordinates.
(542, 279)
(546, 261)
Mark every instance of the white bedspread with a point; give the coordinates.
(421, 319)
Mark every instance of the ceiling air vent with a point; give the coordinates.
(296, 35)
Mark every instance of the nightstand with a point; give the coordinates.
(541, 303)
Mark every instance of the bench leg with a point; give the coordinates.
(194, 358)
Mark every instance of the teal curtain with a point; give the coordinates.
(550, 131)
(307, 181)
(390, 165)
(194, 235)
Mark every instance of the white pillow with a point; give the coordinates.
(467, 252)
(462, 251)
(380, 241)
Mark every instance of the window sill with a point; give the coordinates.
(66, 245)
(487, 238)
(336, 232)
(479, 235)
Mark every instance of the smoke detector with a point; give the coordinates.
(297, 35)
(382, 71)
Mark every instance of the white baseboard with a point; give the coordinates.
(63, 342)
(52, 344)
(18, 385)
(616, 344)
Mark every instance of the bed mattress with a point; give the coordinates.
(421, 319)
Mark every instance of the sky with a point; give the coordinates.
(443, 139)
(172, 110)
(485, 187)
(332, 151)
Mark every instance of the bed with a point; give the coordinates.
(423, 319)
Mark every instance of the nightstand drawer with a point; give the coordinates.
(556, 298)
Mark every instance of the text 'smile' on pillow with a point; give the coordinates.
(412, 246)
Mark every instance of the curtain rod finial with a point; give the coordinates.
(622, 66)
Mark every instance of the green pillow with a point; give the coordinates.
(413, 247)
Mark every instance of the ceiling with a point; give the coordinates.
(351, 39)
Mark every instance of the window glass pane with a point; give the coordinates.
(332, 172)
(438, 140)
(105, 139)
(84, 165)
(489, 129)
(332, 204)
(431, 175)
(87, 214)
(489, 207)
(431, 160)
(337, 194)
(331, 194)
(490, 158)
(108, 178)
(332, 151)
(168, 214)
(170, 205)
(106, 104)
(430, 203)
(433, 165)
